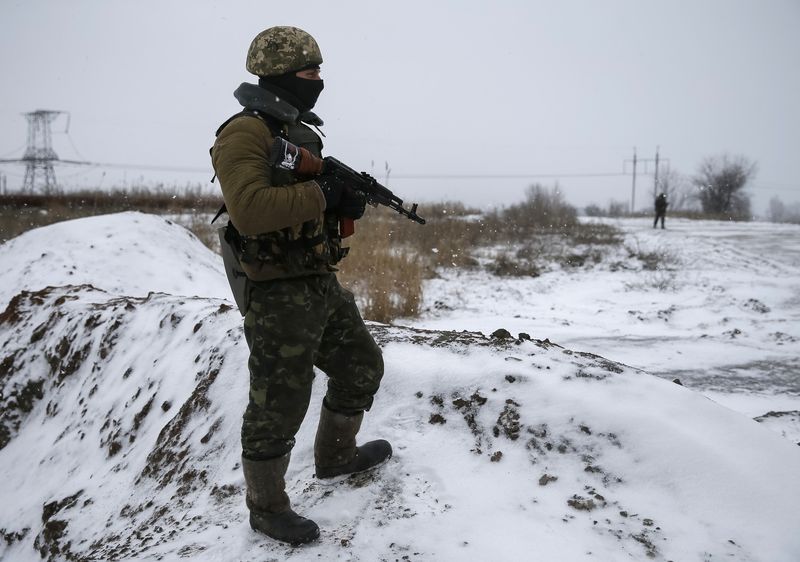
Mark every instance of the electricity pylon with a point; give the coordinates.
(39, 156)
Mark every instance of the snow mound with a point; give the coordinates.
(120, 440)
(128, 254)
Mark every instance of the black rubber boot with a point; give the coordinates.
(270, 512)
(335, 451)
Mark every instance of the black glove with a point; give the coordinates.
(332, 187)
(352, 204)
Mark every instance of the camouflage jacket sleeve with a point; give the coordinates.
(255, 205)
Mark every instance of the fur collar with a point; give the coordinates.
(251, 96)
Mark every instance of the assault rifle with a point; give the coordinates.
(287, 156)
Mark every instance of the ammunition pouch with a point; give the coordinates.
(291, 252)
(281, 251)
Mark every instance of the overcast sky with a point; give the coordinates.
(524, 88)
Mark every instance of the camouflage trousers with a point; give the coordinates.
(291, 326)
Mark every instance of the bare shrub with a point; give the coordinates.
(451, 239)
(614, 209)
(582, 245)
(580, 259)
(661, 280)
(655, 259)
(505, 266)
(595, 234)
(593, 210)
(780, 212)
(677, 187)
(447, 209)
(659, 267)
(542, 208)
(617, 209)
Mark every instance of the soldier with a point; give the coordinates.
(284, 231)
(661, 209)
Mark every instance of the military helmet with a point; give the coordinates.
(282, 49)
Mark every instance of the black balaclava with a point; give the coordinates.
(302, 93)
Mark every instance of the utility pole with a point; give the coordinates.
(646, 161)
(39, 155)
(633, 187)
(655, 178)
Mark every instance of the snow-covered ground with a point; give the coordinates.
(122, 387)
(722, 315)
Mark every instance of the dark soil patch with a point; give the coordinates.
(508, 421)
(581, 504)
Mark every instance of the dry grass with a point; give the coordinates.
(659, 266)
(200, 225)
(20, 212)
(391, 256)
(386, 279)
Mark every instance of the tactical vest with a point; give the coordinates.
(308, 248)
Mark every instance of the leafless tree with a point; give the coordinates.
(777, 210)
(677, 187)
(780, 212)
(617, 208)
(720, 182)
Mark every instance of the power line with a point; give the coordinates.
(769, 188)
(47, 157)
(148, 167)
(506, 176)
(51, 158)
(424, 176)
(20, 147)
(71, 142)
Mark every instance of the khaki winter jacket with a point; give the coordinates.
(257, 202)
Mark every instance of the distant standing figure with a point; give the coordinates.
(661, 209)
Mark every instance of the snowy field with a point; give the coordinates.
(123, 382)
(723, 317)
